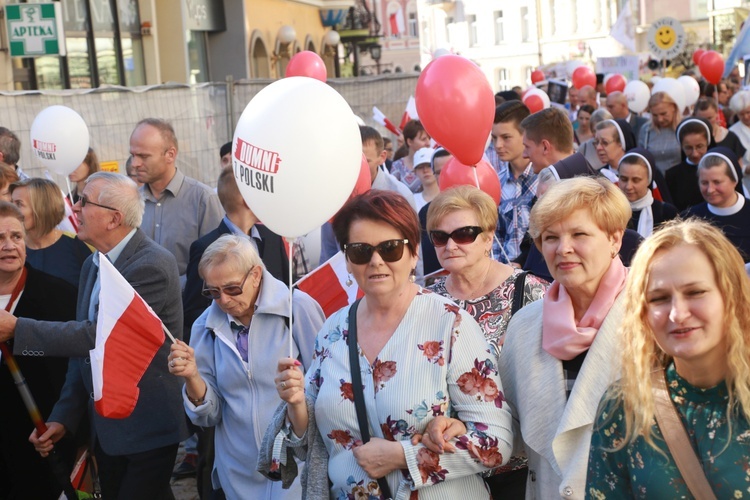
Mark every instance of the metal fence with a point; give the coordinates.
(204, 116)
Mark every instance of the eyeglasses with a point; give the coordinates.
(361, 253)
(603, 144)
(461, 236)
(231, 290)
(85, 201)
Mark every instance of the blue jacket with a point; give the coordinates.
(241, 397)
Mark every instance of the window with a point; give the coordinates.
(525, 24)
(499, 29)
(472, 24)
(503, 79)
(413, 25)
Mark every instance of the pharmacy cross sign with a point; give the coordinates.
(35, 29)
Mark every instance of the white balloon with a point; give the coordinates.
(691, 88)
(638, 95)
(440, 52)
(673, 88)
(296, 154)
(59, 139)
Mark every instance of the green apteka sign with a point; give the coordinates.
(35, 29)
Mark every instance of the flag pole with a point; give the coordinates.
(169, 334)
(56, 463)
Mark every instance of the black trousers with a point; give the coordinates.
(140, 475)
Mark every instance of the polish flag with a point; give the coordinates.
(396, 21)
(383, 120)
(327, 285)
(410, 113)
(69, 223)
(128, 336)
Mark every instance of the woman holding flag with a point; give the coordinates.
(231, 361)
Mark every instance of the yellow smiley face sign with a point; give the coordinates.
(666, 38)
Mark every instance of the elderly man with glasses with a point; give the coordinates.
(135, 454)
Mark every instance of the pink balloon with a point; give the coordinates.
(582, 76)
(307, 63)
(456, 106)
(455, 173)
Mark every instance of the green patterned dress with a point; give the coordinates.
(639, 471)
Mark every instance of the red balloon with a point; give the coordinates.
(307, 63)
(712, 66)
(455, 173)
(456, 106)
(616, 83)
(364, 182)
(534, 103)
(537, 76)
(697, 56)
(582, 76)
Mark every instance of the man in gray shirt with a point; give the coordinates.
(179, 209)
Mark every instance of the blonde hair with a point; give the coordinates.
(45, 201)
(608, 207)
(463, 198)
(640, 352)
(663, 97)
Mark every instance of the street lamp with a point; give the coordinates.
(331, 49)
(375, 52)
(283, 49)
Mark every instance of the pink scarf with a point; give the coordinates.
(561, 336)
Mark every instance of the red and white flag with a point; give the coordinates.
(396, 20)
(128, 336)
(383, 120)
(327, 285)
(410, 113)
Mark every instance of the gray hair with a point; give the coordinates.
(740, 101)
(599, 116)
(237, 251)
(120, 192)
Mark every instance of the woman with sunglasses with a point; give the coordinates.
(420, 356)
(461, 224)
(230, 364)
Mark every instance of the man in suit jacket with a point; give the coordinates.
(617, 103)
(241, 221)
(136, 454)
(23, 473)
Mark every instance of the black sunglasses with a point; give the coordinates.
(461, 236)
(85, 201)
(231, 290)
(361, 253)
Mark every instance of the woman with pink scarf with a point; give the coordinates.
(561, 352)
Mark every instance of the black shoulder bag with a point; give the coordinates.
(518, 292)
(359, 396)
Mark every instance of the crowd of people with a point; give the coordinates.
(551, 345)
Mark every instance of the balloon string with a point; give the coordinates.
(70, 193)
(476, 177)
(291, 291)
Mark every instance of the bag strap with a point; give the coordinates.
(518, 292)
(677, 439)
(359, 396)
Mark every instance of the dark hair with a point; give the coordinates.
(92, 161)
(228, 191)
(226, 148)
(551, 124)
(369, 134)
(705, 103)
(588, 108)
(378, 206)
(10, 146)
(412, 130)
(692, 126)
(511, 112)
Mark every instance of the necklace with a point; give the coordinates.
(473, 293)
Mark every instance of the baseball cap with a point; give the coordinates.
(423, 155)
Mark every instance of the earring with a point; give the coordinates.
(613, 254)
(349, 281)
(413, 276)
(486, 253)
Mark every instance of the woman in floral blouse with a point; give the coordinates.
(688, 316)
(420, 355)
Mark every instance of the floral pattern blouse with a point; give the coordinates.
(639, 471)
(401, 172)
(436, 363)
(493, 311)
